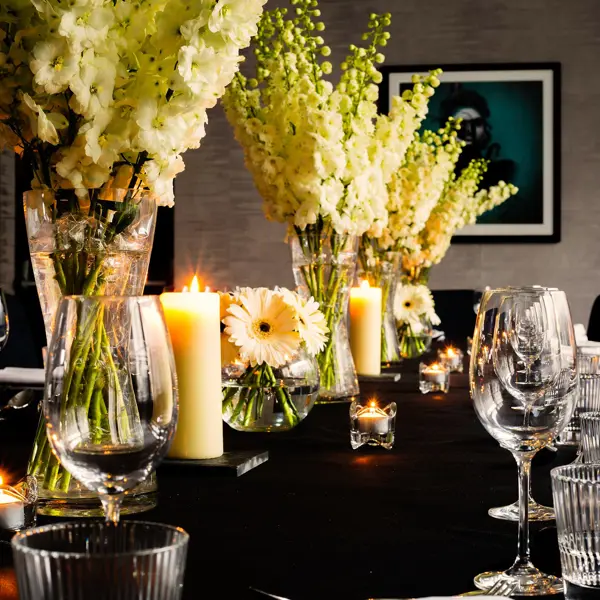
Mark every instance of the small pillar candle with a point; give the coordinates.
(452, 358)
(193, 320)
(434, 378)
(365, 328)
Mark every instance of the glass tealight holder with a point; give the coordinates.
(452, 359)
(434, 378)
(18, 505)
(372, 425)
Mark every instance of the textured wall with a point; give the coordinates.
(219, 223)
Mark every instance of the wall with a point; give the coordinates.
(219, 223)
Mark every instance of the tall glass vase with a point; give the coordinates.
(382, 271)
(85, 242)
(324, 267)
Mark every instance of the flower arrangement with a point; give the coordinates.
(99, 92)
(263, 330)
(320, 154)
(415, 314)
(100, 98)
(460, 204)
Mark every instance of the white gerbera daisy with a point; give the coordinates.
(412, 302)
(311, 321)
(264, 326)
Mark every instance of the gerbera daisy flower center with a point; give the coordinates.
(262, 328)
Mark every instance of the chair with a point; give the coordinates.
(593, 330)
(455, 310)
(21, 349)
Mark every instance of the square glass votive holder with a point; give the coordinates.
(452, 358)
(370, 424)
(434, 378)
(18, 505)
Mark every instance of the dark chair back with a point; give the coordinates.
(21, 349)
(593, 330)
(455, 310)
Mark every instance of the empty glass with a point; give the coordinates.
(111, 392)
(4, 326)
(590, 437)
(129, 561)
(588, 398)
(576, 491)
(522, 374)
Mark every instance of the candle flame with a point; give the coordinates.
(373, 404)
(436, 367)
(185, 289)
(1, 480)
(364, 285)
(451, 352)
(195, 285)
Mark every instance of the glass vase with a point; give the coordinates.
(415, 338)
(269, 399)
(85, 242)
(324, 267)
(382, 272)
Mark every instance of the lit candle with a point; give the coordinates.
(371, 419)
(365, 328)
(12, 509)
(193, 319)
(452, 358)
(434, 373)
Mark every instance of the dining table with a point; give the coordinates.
(320, 520)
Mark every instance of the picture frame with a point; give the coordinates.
(513, 115)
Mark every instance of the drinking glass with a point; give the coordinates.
(522, 375)
(4, 326)
(576, 491)
(129, 561)
(537, 512)
(111, 393)
(477, 295)
(590, 438)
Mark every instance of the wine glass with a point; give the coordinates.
(477, 295)
(4, 325)
(510, 512)
(111, 392)
(522, 375)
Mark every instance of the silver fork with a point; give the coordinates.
(502, 587)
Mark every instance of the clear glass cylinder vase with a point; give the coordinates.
(382, 272)
(85, 242)
(267, 399)
(324, 268)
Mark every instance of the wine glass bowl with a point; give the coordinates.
(4, 323)
(522, 378)
(111, 394)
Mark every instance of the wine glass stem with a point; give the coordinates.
(524, 464)
(112, 507)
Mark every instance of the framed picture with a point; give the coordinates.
(511, 116)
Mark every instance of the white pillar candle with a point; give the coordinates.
(12, 510)
(194, 321)
(365, 328)
(371, 419)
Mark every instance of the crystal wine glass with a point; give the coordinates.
(522, 372)
(510, 512)
(4, 326)
(111, 392)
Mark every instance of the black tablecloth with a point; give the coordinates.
(320, 520)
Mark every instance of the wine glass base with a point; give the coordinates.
(530, 582)
(537, 512)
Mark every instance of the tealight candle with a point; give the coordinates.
(194, 323)
(372, 425)
(452, 358)
(434, 378)
(16, 511)
(365, 328)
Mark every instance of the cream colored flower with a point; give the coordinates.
(413, 302)
(264, 326)
(311, 321)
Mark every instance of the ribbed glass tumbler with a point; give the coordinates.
(588, 396)
(590, 437)
(133, 560)
(576, 490)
